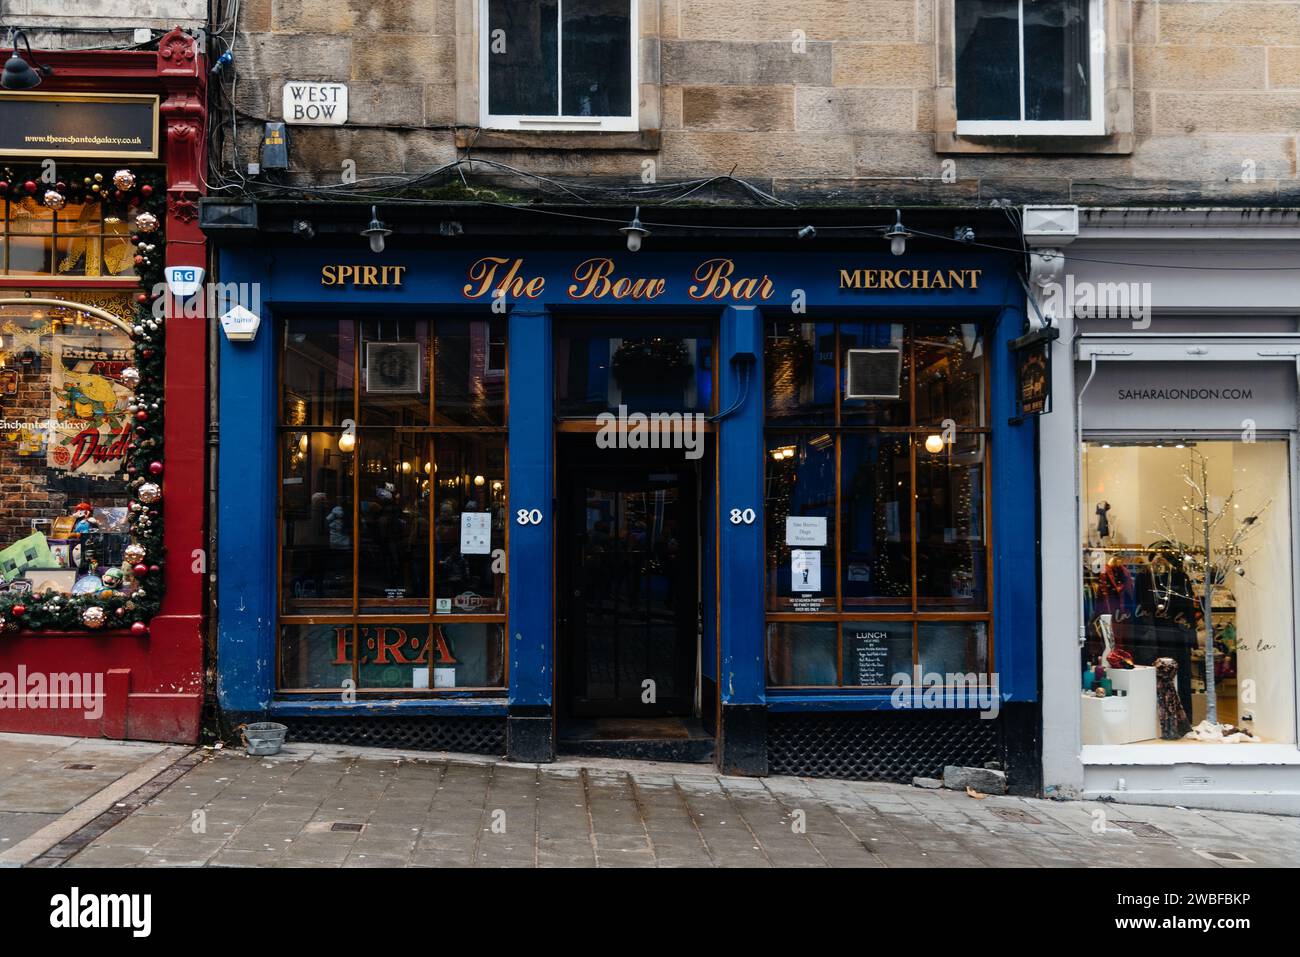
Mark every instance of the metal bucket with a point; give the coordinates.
(263, 737)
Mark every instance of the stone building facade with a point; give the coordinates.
(846, 102)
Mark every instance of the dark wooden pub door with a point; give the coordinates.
(629, 605)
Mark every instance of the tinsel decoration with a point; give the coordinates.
(126, 195)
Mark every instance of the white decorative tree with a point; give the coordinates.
(1199, 521)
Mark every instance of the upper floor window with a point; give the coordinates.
(559, 64)
(1030, 67)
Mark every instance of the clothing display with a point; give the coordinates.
(1169, 705)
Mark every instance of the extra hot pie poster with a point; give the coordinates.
(88, 405)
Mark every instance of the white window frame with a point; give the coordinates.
(1095, 126)
(627, 124)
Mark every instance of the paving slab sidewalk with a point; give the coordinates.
(334, 806)
(50, 786)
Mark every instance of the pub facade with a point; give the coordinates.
(508, 485)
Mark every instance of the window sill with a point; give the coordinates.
(447, 706)
(1191, 753)
(642, 141)
(84, 633)
(950, 141)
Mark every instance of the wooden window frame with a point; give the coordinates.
(916, 615)
(352, 614)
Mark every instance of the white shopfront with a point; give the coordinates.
(1168, 482)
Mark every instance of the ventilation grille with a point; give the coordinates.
(393, 367)
(469, 735)
(874, 374)
(878, 746)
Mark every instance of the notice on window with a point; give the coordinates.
(868, 654)
(805, 570)
(475, 533)
(805, 531)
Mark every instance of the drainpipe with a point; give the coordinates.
(1078, 492)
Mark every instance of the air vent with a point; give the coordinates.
(874, 374)
(393, 367)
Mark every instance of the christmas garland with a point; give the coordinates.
(655, 360)
(123, 194)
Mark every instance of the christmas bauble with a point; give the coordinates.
(54, 199)
(93, 617)
(140, 570)
(146, 222)
(142, 415)
(155, 468)
(124, 179)
(130, 377)
(150, 493)
(19, 610)
(139, 628)
(134, 553)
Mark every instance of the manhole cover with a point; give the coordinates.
(79, 767)
(1230, 856)
(1142, 829)
(345, 826)
(1016, 815)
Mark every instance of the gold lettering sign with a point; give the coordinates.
(909, 279)
(339, 275)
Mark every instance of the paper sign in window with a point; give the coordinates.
(805, 531)
(805, 570)
(476, 533)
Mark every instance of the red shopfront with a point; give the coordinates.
(103, 380)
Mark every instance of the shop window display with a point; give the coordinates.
(1187, 569)
(81, 399)
(875, 498)
(393, 505)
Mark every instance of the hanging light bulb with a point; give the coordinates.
(934, 444)
(897, 235)
(635, 232)
(479, 480)
(347, 442)
(376, 231)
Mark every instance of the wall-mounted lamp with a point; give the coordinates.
(635, 232)
(376, 232)
(18, 73)
(897, 235)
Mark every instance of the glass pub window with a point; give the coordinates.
(876, 469)
(393, 504)
(1029, 67)
(557, 64)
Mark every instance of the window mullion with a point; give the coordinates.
(1020, 33)
(559, 58)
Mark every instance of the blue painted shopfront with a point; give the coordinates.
(297, 280)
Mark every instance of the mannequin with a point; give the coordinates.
(1166, 618)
